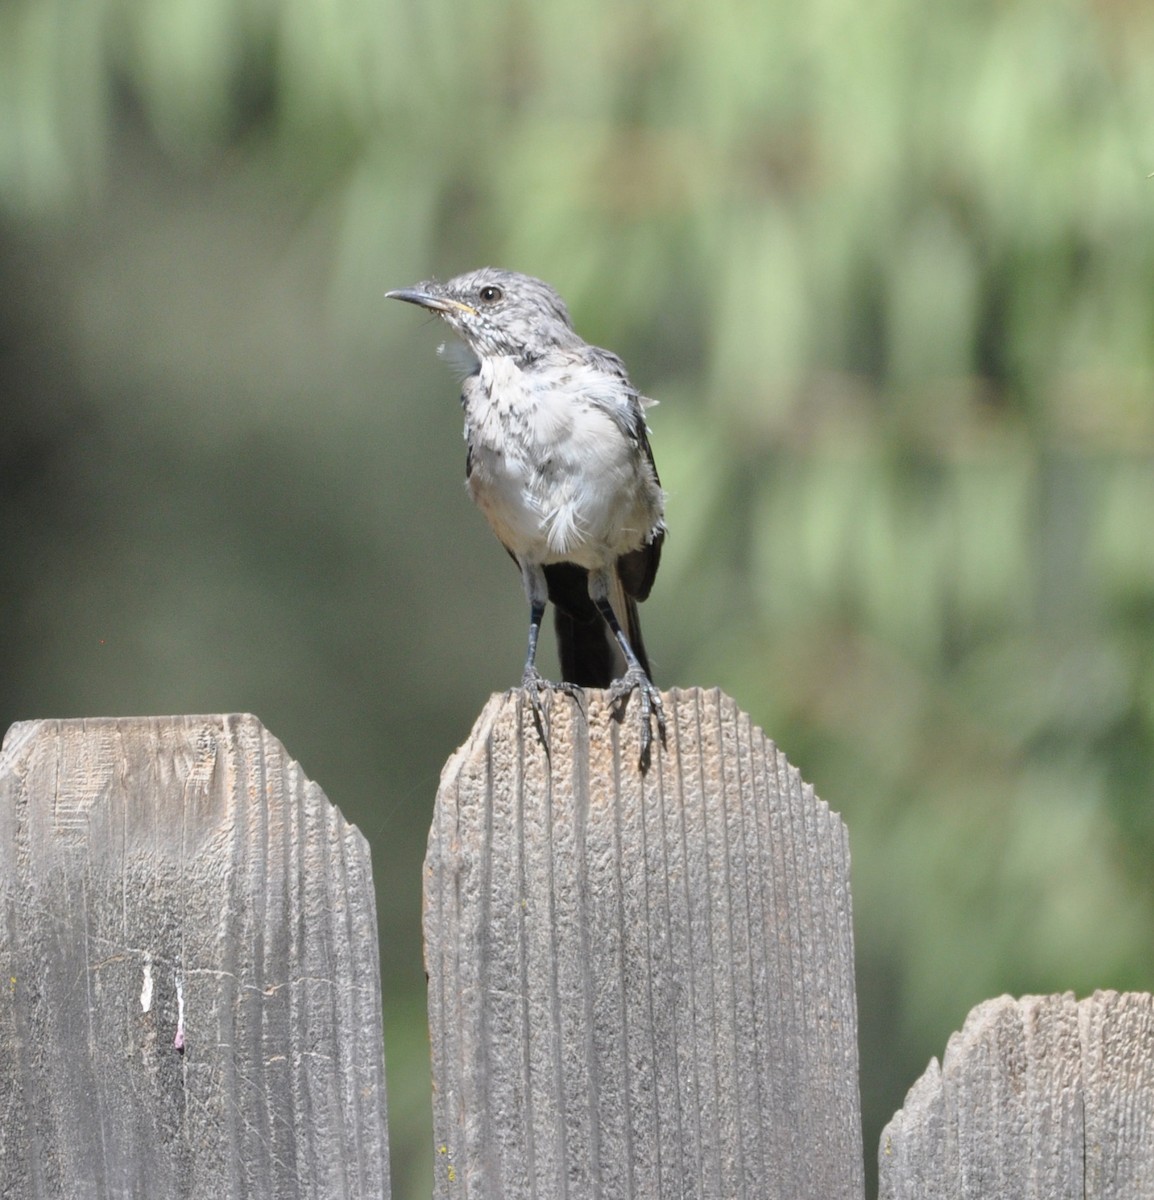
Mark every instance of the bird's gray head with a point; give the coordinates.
(497, 312)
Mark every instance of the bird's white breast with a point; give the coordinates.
(554, 473)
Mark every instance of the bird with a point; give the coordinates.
(558, 460)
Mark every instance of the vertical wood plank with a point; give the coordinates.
(191, 997)
(1041, 1097)
(639, 985)
(1117, 1044)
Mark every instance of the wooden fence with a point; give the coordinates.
(639, 986)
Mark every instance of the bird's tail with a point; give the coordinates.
(590, 656)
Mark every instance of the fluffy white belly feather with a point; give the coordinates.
(589, 498)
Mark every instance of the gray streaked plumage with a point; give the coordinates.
(559, 462)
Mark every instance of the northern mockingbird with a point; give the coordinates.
(559, 462)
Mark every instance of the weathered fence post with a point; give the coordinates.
(190, 1000)
(1042, 1097)
(639, 985)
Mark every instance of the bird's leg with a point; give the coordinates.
(635, 678)
(535, 686)
(531, 678)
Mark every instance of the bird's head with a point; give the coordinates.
(497, 312)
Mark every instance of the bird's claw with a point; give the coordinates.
(635, 680)
(539, 692)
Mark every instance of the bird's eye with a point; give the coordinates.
(490, 294)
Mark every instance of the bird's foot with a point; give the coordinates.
(635, 680)
(539, 692)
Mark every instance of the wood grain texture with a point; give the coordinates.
(1042, 1097)
(178, 881)
(639, 986)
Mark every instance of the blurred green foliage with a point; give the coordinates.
(888, 269)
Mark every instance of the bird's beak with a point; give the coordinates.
(440, 304)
